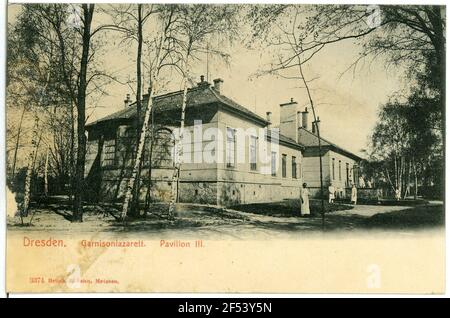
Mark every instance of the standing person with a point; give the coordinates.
(397, 194)
(362, 183)
(331, 195)
(304, 197)
(354, 197)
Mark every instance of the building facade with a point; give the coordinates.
(230, 154)
(340, 167)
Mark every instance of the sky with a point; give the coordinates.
(347, 104)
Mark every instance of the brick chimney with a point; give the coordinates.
(315, 125)
(299, 119)
(288, 120)
(127, 101)
(218, 84)
(202, 82)
(269, 119)
(305, 120)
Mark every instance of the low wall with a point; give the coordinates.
(345, 194)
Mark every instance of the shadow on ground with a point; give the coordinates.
(420, 217)
(227, 221)
(290, 208)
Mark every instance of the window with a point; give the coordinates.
(109, 153)
(332, 169)
(231, 147)
(253, 147)
(163, 151)
(340, 172)
(274, 164)
(294, 167)
(283, 165)
(347, 174)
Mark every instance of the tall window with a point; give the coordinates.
(347, 174)
(294, 167)
(333, 169)
(253, 147)
(340, 172)
(231, 147)
(283, 165)
(274, 164)
(109, 154)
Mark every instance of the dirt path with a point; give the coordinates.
(370, 210)
(214, 223)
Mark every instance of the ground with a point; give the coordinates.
(241, 222)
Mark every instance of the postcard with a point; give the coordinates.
(225, 148)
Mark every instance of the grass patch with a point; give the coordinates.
(417, 217)
(289, 208)
(392, 202)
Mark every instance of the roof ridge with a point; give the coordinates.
(330, 142)
(220, 98)
(311, 133)
(209, 93)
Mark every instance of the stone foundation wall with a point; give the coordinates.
(365, 193)
(198, 192)
(233, 193)
(345, 194)
(189, 192)
(216, 193)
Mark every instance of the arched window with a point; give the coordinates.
(162, 152)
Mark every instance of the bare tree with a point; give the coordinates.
(191, 33)
(162, 44)
(129, 20)
(289, 63)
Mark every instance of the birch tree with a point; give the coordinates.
(35, 142)
(163, 45)
(130, 20)
(30, 71)
(69, 29)
(192, 33)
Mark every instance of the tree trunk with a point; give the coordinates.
(88, 12)
(148, 196)
(16, 148)
(396, 171)
(72, 155)
(407, 179)
(388, 177)
(305, 82)
(137, 162)
(33, 154)
(179, 151)
(135, 211)
(46, 173)
(141, 144)
(415, 179)
(30, 170)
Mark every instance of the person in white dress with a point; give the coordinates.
(354, 196)
(304, 197)
(331, 195)
(397, 194)
(362, 183)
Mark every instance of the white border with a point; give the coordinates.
(3, 24)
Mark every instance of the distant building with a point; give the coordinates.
(340, 166)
